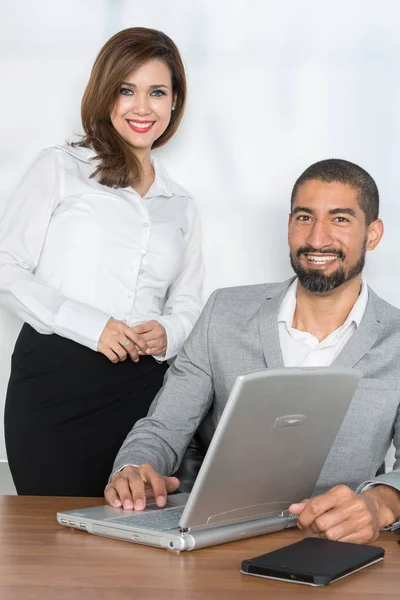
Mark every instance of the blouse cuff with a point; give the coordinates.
(81, 323)
(176, 335)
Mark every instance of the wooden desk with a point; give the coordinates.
(41, 560)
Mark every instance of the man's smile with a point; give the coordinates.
(321, 259)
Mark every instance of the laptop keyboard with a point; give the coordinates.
(158, 520)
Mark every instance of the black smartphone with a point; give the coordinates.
(313, 561)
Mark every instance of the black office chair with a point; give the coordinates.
(195, 454)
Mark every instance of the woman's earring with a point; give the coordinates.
(173, 108)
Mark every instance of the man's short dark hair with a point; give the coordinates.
(343, 171)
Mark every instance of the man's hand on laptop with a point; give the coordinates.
(132, 486)
(341, 514)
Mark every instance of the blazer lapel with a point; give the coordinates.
(363, 338)
(268, 326)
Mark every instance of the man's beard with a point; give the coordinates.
(317, 282)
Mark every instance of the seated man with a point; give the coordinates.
(326, 315)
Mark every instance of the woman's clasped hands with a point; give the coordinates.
(118, 340)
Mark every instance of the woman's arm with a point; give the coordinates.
(23, 229)
(184, 300)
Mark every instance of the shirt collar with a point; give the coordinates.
(358, 310)
(288, 305)
(79, 152)
(162, 185)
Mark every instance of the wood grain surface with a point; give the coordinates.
(41, 560)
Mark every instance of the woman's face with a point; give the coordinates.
(143, 109)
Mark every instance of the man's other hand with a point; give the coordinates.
(341, 514)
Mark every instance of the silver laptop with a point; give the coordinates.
(267, 452)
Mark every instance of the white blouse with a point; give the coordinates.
(74, 253)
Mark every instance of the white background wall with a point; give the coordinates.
(273, 87)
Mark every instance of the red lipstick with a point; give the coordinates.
(144, 125)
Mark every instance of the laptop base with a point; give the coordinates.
(174, 540)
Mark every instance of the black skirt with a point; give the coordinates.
(68, 410)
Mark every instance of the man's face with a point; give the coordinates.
(328, 235)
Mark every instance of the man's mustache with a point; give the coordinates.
(310, 250)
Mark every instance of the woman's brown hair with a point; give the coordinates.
(117, 165)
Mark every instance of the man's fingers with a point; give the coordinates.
(111, 496)
(158, 487)
(160, 490)
(159, 484)
(172, 484)
(124, 486)
(339, 514)
(321, 504)
(127, 486)
(351, 517)
(130, 487)
(358, 529)
(117, 492)
(360, 537)
(297, 508)
(138, 492)
(353, 511)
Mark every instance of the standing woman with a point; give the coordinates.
(100, 256)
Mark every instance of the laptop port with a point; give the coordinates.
(64, 522)
(82, 525)
(72, 523)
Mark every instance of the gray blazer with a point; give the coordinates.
(236, 333)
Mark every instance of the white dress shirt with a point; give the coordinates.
(74, 253)
(302, 349)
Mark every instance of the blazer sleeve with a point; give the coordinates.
(392, 478)
(162, 437)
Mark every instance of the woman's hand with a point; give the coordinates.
(118, 340)
(154, 335)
